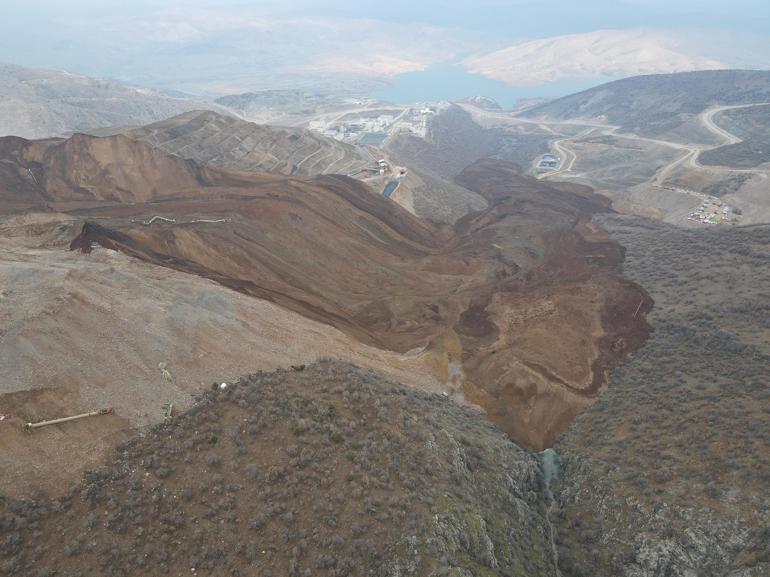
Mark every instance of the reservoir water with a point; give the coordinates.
(447, 82)
(390, 188)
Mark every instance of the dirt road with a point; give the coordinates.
(690, 153)
(568, 157)
(707, 119)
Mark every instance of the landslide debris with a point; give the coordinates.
(520, 307)
(320, 470)
(524, 301)
(86, 169)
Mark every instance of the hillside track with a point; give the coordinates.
(689, 156)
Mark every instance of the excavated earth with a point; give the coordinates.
(520, 308)
(232, 143)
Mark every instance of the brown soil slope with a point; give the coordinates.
(80, 332)
(84, 168)
(522, 305)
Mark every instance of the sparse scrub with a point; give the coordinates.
(679, 441)
(234, 491)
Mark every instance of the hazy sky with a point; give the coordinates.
(508, 18)
(209, 46)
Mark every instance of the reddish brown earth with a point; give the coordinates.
(522, 306)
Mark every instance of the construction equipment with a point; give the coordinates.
(30, 426)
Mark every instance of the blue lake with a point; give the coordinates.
(446, 82)
(390, 188)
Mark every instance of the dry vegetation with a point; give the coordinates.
(752, 126)
(669, 471)
(319, 470)
(661, 105)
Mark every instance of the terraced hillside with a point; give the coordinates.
(667, 474)
(328, 470)
(239, 145)
(455, 140)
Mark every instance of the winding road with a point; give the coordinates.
(687, 154)
(707, 118)
(567, 156)
(690, 152)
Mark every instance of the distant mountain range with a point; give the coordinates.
(43, 103)
(597, 54)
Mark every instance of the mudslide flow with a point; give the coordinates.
(520, 308)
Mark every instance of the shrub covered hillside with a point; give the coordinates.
(324, 470)
(667, 474)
